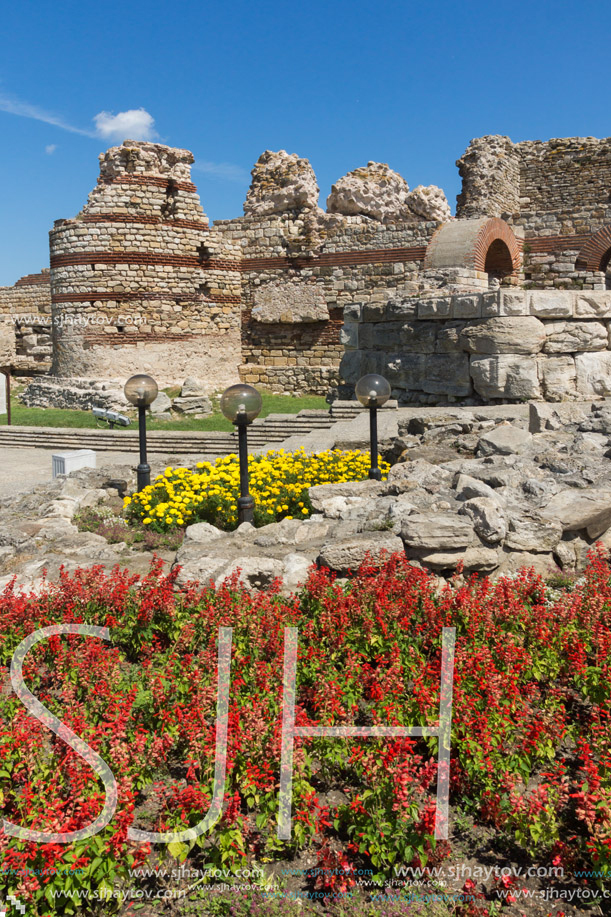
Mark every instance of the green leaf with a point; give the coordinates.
(178, 850)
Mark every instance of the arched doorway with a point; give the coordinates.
(498, 263)
(485, 244)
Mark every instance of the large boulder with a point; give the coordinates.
(349, 554)
(161, 404)
(478, 559)
(468, 488)
(281, 181)
(532, 534)
(504, 440)
(436, 532)
(582, 509)
(374, 191)
(487, 517)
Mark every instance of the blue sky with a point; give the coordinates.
(339, 82)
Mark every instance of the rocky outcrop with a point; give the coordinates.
(281, 181)
(473, 490)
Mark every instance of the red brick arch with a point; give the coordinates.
(593, 255)
(494, 230)
(465, 243)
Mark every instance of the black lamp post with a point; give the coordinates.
(141, 390)
(240, 404)
(373, 391)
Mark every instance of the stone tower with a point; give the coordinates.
(133, 280)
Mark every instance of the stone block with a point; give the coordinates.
(435, 308)
(352, 312)
(467, 306)
(593, 305)
(350, 367)
(407, 370)
(397, 309)
(519, 335)
(289, 303)
(551, 303)
(448, 337)
(385, 335)
(447, 374)
(365, 335)
(577, 509)
(349, 335)
(161, 404)
(593, 374)
(373, 312)
(571, 337)
(491, 305)
(513, 302)
(349, 554)
(558, 377)
(532, 534)
(505, 376)
(542, 417)
(505, 439)
(417, 337)
(436, 532)
(487, 517)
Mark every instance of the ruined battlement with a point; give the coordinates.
(139, 279)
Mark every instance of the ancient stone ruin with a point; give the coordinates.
(509, 300)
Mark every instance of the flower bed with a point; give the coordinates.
(531, 734)
(279, 483)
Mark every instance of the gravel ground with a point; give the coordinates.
(22, 469)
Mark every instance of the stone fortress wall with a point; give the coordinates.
(140, 281)
(544, 211)
(295, 298)
(25, 320)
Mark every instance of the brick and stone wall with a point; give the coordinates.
(555, 193)
(335, 260)
(510, 345)
(25, 313)
(141, 282)
(129, 291)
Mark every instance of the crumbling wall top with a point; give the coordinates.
(281, 181)
(140, 157)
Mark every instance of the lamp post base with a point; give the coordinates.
(144, 476)
(375, 474)
(246, 509)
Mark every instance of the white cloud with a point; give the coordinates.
(50, 148)
(224, 170)
(135, 124)
(24, 110)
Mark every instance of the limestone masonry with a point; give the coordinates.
(506, 301)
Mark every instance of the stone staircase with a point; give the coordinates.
(207, 445)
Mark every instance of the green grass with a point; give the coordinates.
(57, 417)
